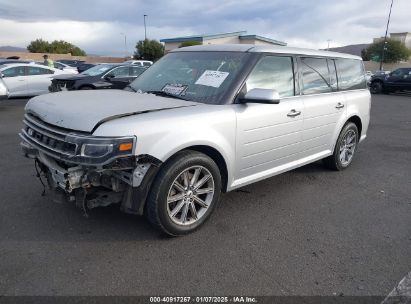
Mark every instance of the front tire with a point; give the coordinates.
(184, 193)
(376, 87)
(344, 148)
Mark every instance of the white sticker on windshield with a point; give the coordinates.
(212, 78)
(175, 89)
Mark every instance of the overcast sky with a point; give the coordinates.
(96, 25)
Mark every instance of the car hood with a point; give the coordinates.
(86, 110)
(71, 76)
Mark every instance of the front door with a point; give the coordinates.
(394, 80)
(405, 81)
(268, 135)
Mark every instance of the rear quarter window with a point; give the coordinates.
(350, 73)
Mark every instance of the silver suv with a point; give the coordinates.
(202, 120)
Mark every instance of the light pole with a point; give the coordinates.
(125, 44)
(385, 37)
(328, 45)
(145, 28)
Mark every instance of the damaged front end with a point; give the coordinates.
(92, 171)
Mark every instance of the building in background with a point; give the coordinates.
(224, 38)
(405, 38)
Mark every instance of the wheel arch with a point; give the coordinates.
(217, 157)
(357, 121)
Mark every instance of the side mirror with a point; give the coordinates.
(1, 75)
(261, 96)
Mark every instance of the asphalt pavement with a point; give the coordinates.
(310, 231)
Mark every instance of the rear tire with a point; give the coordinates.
(345, 148)
(184, 194)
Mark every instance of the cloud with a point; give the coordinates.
(95, 25)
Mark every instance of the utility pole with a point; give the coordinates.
(145, 28)
(385, 37)
(328, 45)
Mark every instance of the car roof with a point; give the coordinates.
(8, 65)
(13, 60)
(252, 48)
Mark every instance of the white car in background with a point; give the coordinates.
(65, 68)
(4, 93)
(368, 75)
(26, 79)
(145, 63)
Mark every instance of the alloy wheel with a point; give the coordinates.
(347, 147)
(190, 195)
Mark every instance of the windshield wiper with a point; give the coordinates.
(165, 94)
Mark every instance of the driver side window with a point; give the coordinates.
(273, 72)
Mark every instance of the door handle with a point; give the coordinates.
(293, 113)
(339, 105)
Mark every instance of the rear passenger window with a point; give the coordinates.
(273, 72)
(38, 71)
(350, 74)
(316, 78)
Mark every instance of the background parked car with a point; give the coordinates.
(25, 79)
(103, 76)
(145, 63)
(368, 75)
(84, 67)
(65, 67)
(398, 80)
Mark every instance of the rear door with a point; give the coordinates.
(268, 135)
(324, 106)
(16, 80)
(38, 79)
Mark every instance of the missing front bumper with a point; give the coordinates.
(94, 187)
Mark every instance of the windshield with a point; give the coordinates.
(196, 76)
(97, 70)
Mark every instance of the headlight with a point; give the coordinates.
(99, 150)
(96, 150)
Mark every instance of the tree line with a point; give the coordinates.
(55, 47)
(394, 52)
